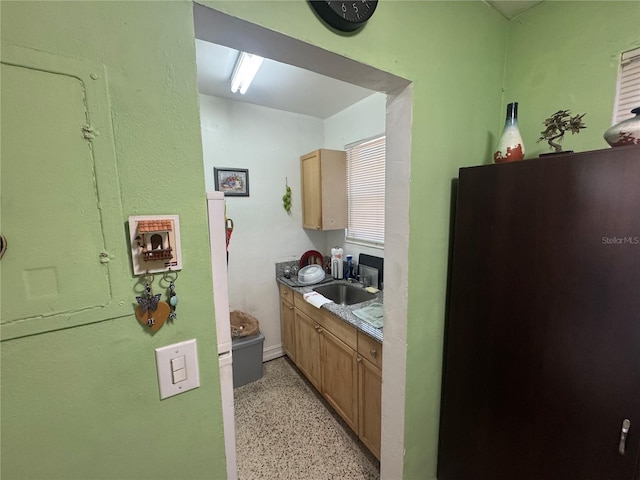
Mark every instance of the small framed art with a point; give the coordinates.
(232, 181)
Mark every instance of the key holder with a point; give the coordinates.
(168, 281)
(155, 243)
(151, 311)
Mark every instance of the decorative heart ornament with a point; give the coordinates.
(155, 319)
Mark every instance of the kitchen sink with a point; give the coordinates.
(344, 294)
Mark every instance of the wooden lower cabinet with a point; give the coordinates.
(287, 322)
(339, 377)
(287, 318)
(342, 363)
(369, 404)
(308, 348)
(288, 329)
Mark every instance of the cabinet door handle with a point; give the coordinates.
(3, 245)
(373, 352)
(290, 307)
(626, 425)
(358, 359)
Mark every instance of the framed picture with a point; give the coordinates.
(232, 181)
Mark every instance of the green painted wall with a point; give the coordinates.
(102, 416)
(83, 403)
(565, 55)
(85, 399)
(454, 53)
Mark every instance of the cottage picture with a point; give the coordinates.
(155, 243)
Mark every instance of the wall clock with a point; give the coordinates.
(346, 16)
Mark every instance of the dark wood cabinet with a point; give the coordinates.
(542, 344)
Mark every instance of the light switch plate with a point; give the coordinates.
(164, 355)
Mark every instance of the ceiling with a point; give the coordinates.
(276, 85)
(512, 8)
(292, 89)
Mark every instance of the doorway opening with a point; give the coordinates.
(221, 29)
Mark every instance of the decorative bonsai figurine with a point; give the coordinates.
(559, 123)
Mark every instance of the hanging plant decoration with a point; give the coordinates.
(286, 198)
(559, 123)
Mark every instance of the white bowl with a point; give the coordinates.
(310, 274)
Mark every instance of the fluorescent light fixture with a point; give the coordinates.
(246, 68)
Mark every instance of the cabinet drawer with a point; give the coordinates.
(370, 349)
(338, 327)
(286, 293)
(300, 304)
(335, 325)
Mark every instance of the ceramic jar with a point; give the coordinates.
(626, 132)
(510, 146)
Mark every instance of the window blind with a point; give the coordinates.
(366, 190)
(628, 92)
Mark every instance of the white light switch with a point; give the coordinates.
(179, 375)
(177, 363)
(177, 366)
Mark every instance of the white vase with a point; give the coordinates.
(510, 147)
(626, 132)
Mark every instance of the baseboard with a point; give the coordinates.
(272, 353)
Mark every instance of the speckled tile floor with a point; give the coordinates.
(285, 430)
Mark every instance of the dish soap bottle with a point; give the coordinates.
(348, 273)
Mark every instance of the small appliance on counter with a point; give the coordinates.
(372, 270)
(336, 263)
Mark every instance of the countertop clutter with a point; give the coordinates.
(344, 312)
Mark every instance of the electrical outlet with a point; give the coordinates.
(178, 370)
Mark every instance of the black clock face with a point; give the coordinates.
(346, 16)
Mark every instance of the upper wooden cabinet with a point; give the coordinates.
(324, 189)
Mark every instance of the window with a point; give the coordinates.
(365, 191)
(628, 92)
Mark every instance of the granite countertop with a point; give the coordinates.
(344, 312)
